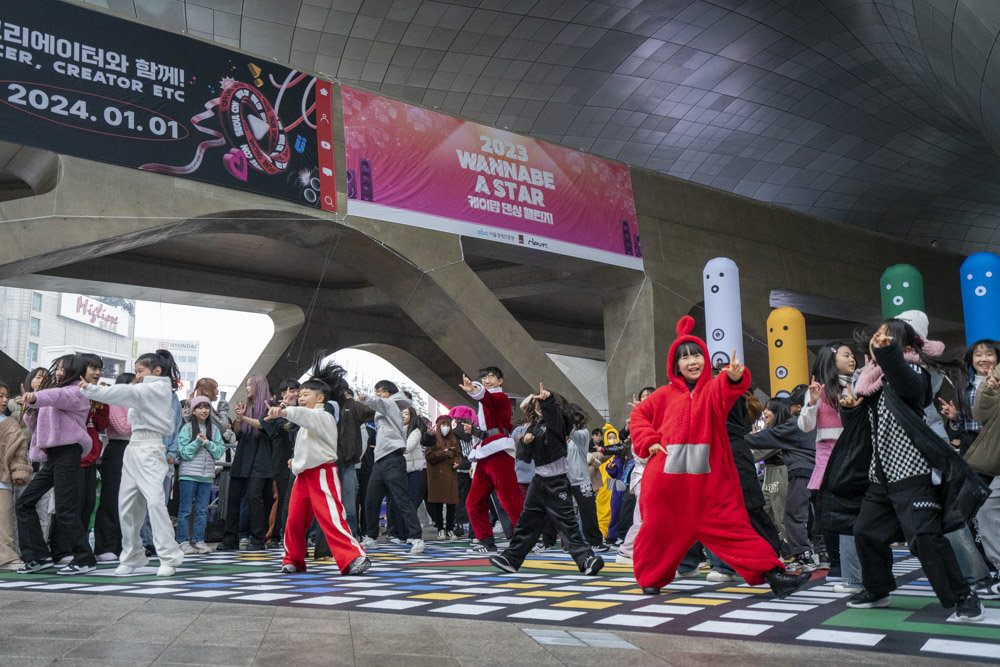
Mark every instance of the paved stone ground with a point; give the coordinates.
(447, 607)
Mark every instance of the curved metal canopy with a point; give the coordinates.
(879, 113)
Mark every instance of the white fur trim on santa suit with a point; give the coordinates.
(504, 444)
(498, 443)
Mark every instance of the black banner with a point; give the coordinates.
(79, 82)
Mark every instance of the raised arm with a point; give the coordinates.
(642, 425)
(908, 383)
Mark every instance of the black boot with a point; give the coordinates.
(784, 584)
(651, 590)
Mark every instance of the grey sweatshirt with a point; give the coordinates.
(390, 432)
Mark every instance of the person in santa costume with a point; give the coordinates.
(690, 488)
(493, 458)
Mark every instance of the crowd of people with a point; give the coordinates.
(819, 483)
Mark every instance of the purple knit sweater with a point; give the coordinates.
(61, 420)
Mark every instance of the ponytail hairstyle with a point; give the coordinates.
(163, 360)
(330, 375)
(580, 417)
(824, 370)
(257, 409)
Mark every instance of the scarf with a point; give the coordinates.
(870, 380)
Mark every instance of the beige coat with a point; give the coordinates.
(14, 465)
(984, 453)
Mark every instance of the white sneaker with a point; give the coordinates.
(847, 588)
(203, 548)
(65, 560)
(442, 534)
(124, 570)
(396, 540)
(688, 574)
(623, 558)
(107, 557)
(288, 568)
(369, 543)
(188, 549)
(719, 577)
(418, 546)
(166, 571)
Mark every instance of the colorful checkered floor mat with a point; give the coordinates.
(446, 581)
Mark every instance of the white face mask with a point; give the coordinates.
(445, 430)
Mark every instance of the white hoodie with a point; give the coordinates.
(316, 441)
(150, 402)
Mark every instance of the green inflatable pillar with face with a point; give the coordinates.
(902, 290)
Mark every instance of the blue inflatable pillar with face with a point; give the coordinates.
(723, 313)
(788, 355)
(981, 296)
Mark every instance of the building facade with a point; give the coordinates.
(38, 327)
(185, 354)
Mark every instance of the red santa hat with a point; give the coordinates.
(684, 328)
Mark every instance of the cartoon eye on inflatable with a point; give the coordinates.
(718, 334)
(779, 343)
(897, 300)
(781, 372)
(719, 358)
(980, 291)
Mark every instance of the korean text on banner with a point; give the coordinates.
(418, 167)
(80, 82)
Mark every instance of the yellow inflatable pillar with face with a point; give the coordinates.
(787, 353)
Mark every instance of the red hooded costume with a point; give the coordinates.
(692, 493)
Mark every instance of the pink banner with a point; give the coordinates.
(415, 166)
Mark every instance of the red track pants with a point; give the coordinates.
(316, 492)
(493, 472)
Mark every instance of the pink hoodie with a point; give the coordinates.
(61, 420)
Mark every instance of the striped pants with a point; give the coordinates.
(316, 492)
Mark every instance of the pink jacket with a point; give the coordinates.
(61, 420)
(825, 418)
(119, 428)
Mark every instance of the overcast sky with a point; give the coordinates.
(230, 341)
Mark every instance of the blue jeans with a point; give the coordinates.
(349, 495)
(199, 493)
(850, 564)
(718, 564)
(969, 559)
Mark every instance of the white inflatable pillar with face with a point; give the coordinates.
(723, 312)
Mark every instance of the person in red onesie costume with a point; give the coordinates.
(690, 489)
(493, 458)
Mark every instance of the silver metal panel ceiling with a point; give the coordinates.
(880, 113)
